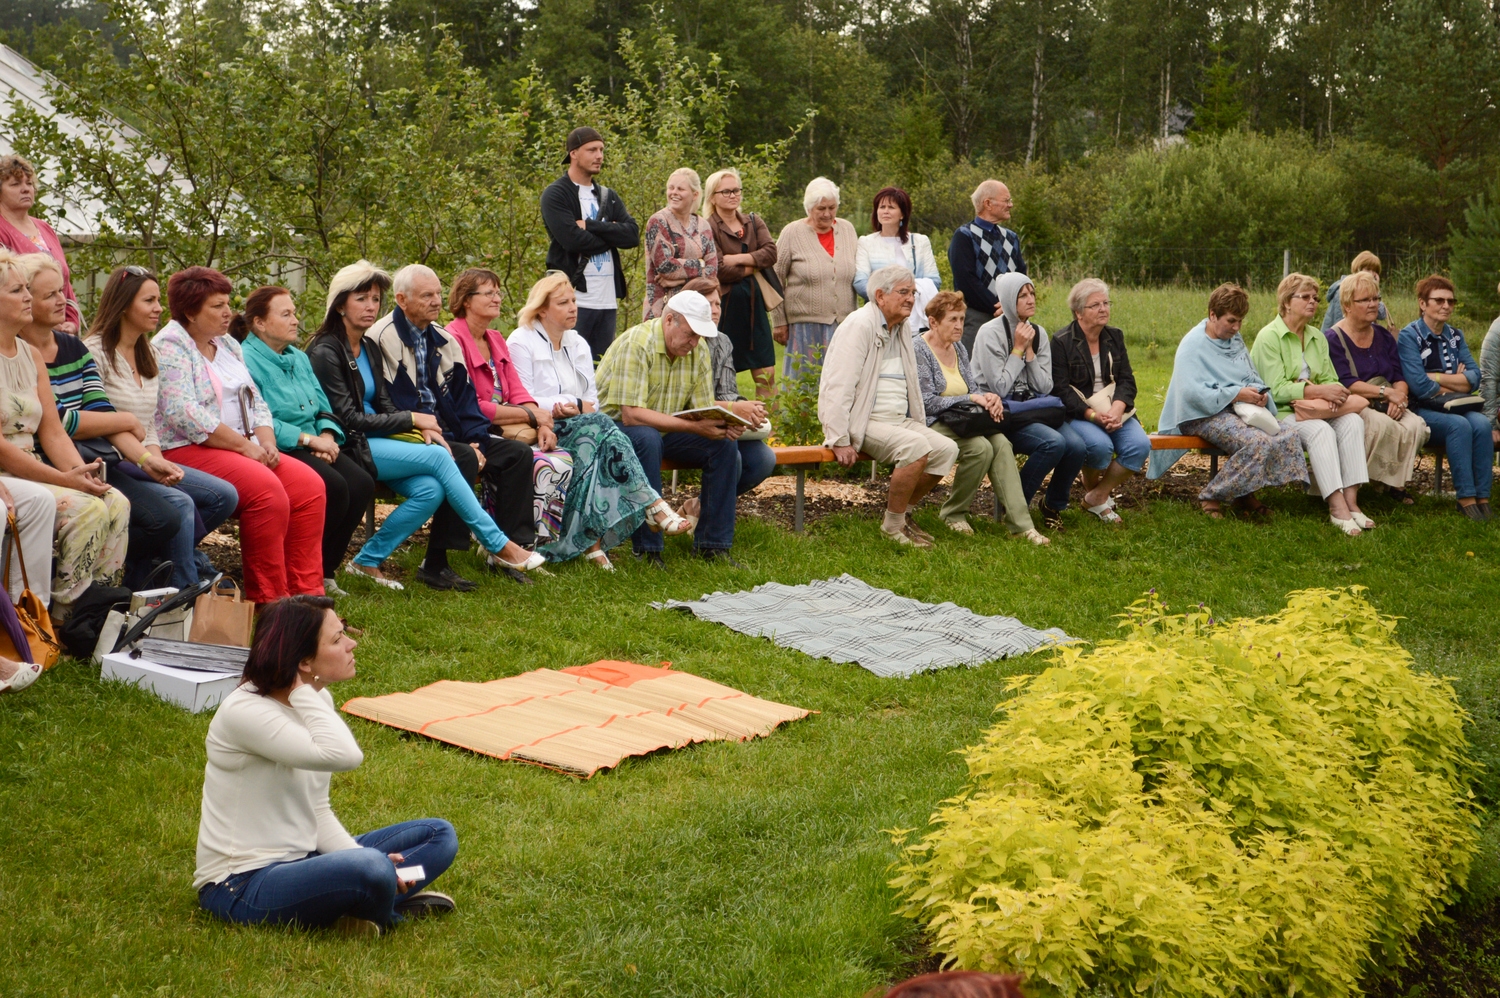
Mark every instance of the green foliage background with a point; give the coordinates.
(1265, 806)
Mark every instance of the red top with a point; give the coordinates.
(826, 238)
(511, 389)
(19, 243)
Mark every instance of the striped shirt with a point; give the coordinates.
(75, 381)
(124, 393)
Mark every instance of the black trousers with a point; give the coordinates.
(153, 526)
(349, 489)
(507, 470)
(597, 327)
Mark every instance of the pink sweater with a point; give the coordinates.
(19, 243)
(511, 388)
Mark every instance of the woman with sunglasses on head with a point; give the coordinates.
(270, 849)
(609, 495)
(1292, 357)
(747, 256)
(405, 450)
(1365, 357)
(1439, 367)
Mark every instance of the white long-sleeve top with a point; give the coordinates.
(875, 251)
(553, 376)
(265, 788)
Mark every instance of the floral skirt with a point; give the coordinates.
(1256, 458)
(609, 494)
(92, 532)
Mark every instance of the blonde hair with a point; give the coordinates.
(1360, 284)
(711, 187)
(1290, 285)
(34, 263)
(358, 275)
(1365, 260)
(692, 178)
(10, 261)
(541, 292)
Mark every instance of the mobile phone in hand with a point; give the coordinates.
(411, 874)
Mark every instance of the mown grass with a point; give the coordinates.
(754, 869)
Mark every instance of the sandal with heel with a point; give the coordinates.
(26, 673)
(662, 519)
(598, 557)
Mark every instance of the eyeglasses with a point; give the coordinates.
(903, 292)
(1305, 296)
(1101, 305)
(492, 293)
(1366, 301)
(1450, 302)
(729, 192)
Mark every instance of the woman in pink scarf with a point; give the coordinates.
(21, 233)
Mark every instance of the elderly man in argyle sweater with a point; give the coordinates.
(981, 252)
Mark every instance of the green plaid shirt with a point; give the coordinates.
(637, 371)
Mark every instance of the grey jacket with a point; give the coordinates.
(1489, 373)
(932, 380)
(998, 370)
(851, 372)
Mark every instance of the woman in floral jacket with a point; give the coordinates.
(679, 243)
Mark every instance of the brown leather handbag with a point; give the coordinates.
(36, 622)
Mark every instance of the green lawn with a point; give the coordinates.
(726, 869)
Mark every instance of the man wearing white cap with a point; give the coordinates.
(653, 370)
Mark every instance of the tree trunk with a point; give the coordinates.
(1036, 92)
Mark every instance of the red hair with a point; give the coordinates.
(188, 289)
(959, 984)
(1433, 282)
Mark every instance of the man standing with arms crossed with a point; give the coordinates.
(589, 226)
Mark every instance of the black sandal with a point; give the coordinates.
(1252, 508)
(1402, 496)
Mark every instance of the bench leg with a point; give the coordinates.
(370, 520)
(674, 481)
(1437, 473)
(797, 504)
(1213, 465)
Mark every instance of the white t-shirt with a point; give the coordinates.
(599, 272)
(1098, 377)
(891, 402)
(233, 375)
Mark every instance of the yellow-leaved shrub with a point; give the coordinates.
(1236, 808)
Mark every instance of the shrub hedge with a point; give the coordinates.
(1221, 808)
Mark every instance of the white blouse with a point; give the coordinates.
(553, 376)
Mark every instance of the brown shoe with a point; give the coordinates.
(918, 538)
(916, 531)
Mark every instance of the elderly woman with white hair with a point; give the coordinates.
(679, 243)
(1091, 374)
(816, 258)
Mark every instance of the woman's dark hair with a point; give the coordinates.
(119, 294)
(188, 289)
(257, 306)
(333, 320)
(959, 984)
(901, 200)
(286, 634)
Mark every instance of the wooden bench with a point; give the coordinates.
(1167, 441)
(799, 459)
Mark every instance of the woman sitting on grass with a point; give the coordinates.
(270, 848)
(1217, 394)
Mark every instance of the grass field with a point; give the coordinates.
(753, 869)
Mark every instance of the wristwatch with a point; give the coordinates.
(1382, 391)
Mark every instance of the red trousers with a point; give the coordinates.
(281, 520)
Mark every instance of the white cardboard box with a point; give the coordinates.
(190, 688)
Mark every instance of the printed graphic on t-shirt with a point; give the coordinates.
(599, 272)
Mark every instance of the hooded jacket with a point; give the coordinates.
(999, 370)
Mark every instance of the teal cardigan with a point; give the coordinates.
(292, 392)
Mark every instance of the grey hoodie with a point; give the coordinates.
(996, 368)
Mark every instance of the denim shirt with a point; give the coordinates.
(1423, 351)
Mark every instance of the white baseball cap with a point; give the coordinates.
(695, 308)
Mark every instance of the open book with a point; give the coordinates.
(713, 412)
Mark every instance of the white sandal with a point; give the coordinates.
(598, 557)
(359, 570)
(1106, 511)
(1036, 537)
(1365, 523)
(661, 518)
(533, 561)
(960, 527)
(1349, 527)
(26, 673)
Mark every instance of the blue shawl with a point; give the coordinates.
(1206, 376)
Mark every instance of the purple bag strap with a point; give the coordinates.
(8, 618)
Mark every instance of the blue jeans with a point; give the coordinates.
(426, 475)
(1471, 450)
(757, 461)
(324, 887)
(1129, 444)
(1061, 452)
(213, 499)
(720, 461)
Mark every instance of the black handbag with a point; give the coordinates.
(970, 419)
(1457, 403)
(1045, 409)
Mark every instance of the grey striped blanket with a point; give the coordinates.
(847, 620)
